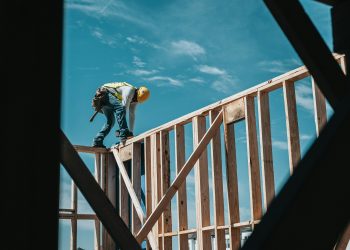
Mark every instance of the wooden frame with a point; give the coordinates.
(155, 219)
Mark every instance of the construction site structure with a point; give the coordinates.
(136, 176)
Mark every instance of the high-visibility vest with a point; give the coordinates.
(114, 87)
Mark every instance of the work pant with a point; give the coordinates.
(113, 109)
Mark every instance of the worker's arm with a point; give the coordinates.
(132, 109)
(128, 94)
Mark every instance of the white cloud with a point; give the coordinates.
(142, 72)
(211, 70)
(111, 41)
(142, 41)
(305, 137)
(110, 9)
(196, 80)
(225, 83)
(189, 48)
(304, 97)
(278, 66)
(165, 80)
(280, 144)
(138, 62)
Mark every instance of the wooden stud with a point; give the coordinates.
(181, 194)
(94, 195)
(103, 185)
(111, 175)
(292, 124)
(148, 179)
(232, 185)
(74, 222)
(154, 163)
(201, 186)
(134, 198)
(266, 149)
(253, 159)
(218, 197)
(123, 201)
(97, 228)
(136, 184)
(157, 190)
(179, 178)
(319, 107)
(165, 183)
(97, 238)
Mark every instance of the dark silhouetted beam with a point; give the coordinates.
(94, 195)
(310, 47)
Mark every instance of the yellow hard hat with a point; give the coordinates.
(142, 94)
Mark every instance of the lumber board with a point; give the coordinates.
(218, 193)
(165, 183)
(319, 107)
(291, 124)
(179, 133)
(111, 174)
(232, 185)
(234, 111)
(87, 149)
(148, 179)
(253, 160)
(94, 195)
(136, 183)
(268, 85)
(74, 222)
(201, 185)
(135, 201)
(266, 149)
(179, 178)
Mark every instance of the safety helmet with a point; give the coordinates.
(142, 94)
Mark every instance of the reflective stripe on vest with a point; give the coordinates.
(115, 86)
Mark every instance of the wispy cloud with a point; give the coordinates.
(283, 145)
(142, 41)
(211, 70)
(196, 80)
(306, 137)
(184, 47)
(109, 40)
(224, 83)
(138, 62)
(110, 9)
(304, 97)
(278, 66)
(142, 72)
(165, 81)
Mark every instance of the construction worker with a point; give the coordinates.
(120, 98)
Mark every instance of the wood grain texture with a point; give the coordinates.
(218, 196)
(253, 160)
(201, 186)
(266, 149)
(180, 178)
(232, 185)
(179, 132)
(292, 124)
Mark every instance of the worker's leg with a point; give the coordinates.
(120, 113)
(109, 113)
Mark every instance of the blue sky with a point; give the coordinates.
(190, 54)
